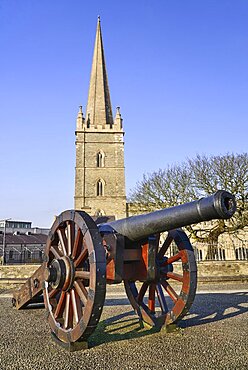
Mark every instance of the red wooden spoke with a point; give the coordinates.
(172, 259)
(68, 323)
(53, 293)
(70, 236)
(161, 298)
(82, 257)
(170, 291)
(77, 311)
(63, 240)
(77, 243)
(142, 291)
(151, 299)
(81, 291)
(82, 274)
(165, 246)
(79, 305)
(56, 252)
(172, 275)
(60, 306)
(53, 303)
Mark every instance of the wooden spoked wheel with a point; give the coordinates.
(167, 298)
(75, 282)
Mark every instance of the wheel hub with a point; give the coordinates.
(60, 273)
(163, 268)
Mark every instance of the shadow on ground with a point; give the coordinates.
(123, 326)
(213, 307)
(207, 308)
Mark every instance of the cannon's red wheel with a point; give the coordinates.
(75, 282)
(167, 298)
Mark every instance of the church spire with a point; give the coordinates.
(99, 109)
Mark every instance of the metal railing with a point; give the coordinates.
(208, 252)
(25, 256)
(203, 252)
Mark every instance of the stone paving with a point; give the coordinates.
(212, 336)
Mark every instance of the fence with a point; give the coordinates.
(206, 252)
(203, 252)
(25, 255)
(209, 252)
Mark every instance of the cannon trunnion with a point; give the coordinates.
(82, 257)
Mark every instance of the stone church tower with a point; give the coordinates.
(100, 176)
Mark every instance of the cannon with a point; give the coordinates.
(81, 257)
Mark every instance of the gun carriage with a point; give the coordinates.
(82, 257)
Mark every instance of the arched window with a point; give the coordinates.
(100, 188)
(100, 159)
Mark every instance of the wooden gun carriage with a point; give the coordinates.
(82, 257)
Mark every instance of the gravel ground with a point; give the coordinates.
(212, 336)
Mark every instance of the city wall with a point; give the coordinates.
(14, 275)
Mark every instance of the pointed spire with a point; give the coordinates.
(118, 119)
(80, 118)
(99, 108)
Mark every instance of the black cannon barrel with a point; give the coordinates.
(220, 205)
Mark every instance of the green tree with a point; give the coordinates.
(193, 179)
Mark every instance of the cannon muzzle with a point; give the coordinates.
(220, 205)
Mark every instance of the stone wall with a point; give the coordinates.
(216, 269)
(12, 276)
(207, 271)
(219, 270)
(17, 271)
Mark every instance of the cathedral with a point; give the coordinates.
(100, 172)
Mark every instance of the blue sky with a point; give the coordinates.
(178, 69)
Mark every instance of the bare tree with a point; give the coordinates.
(191, 180)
